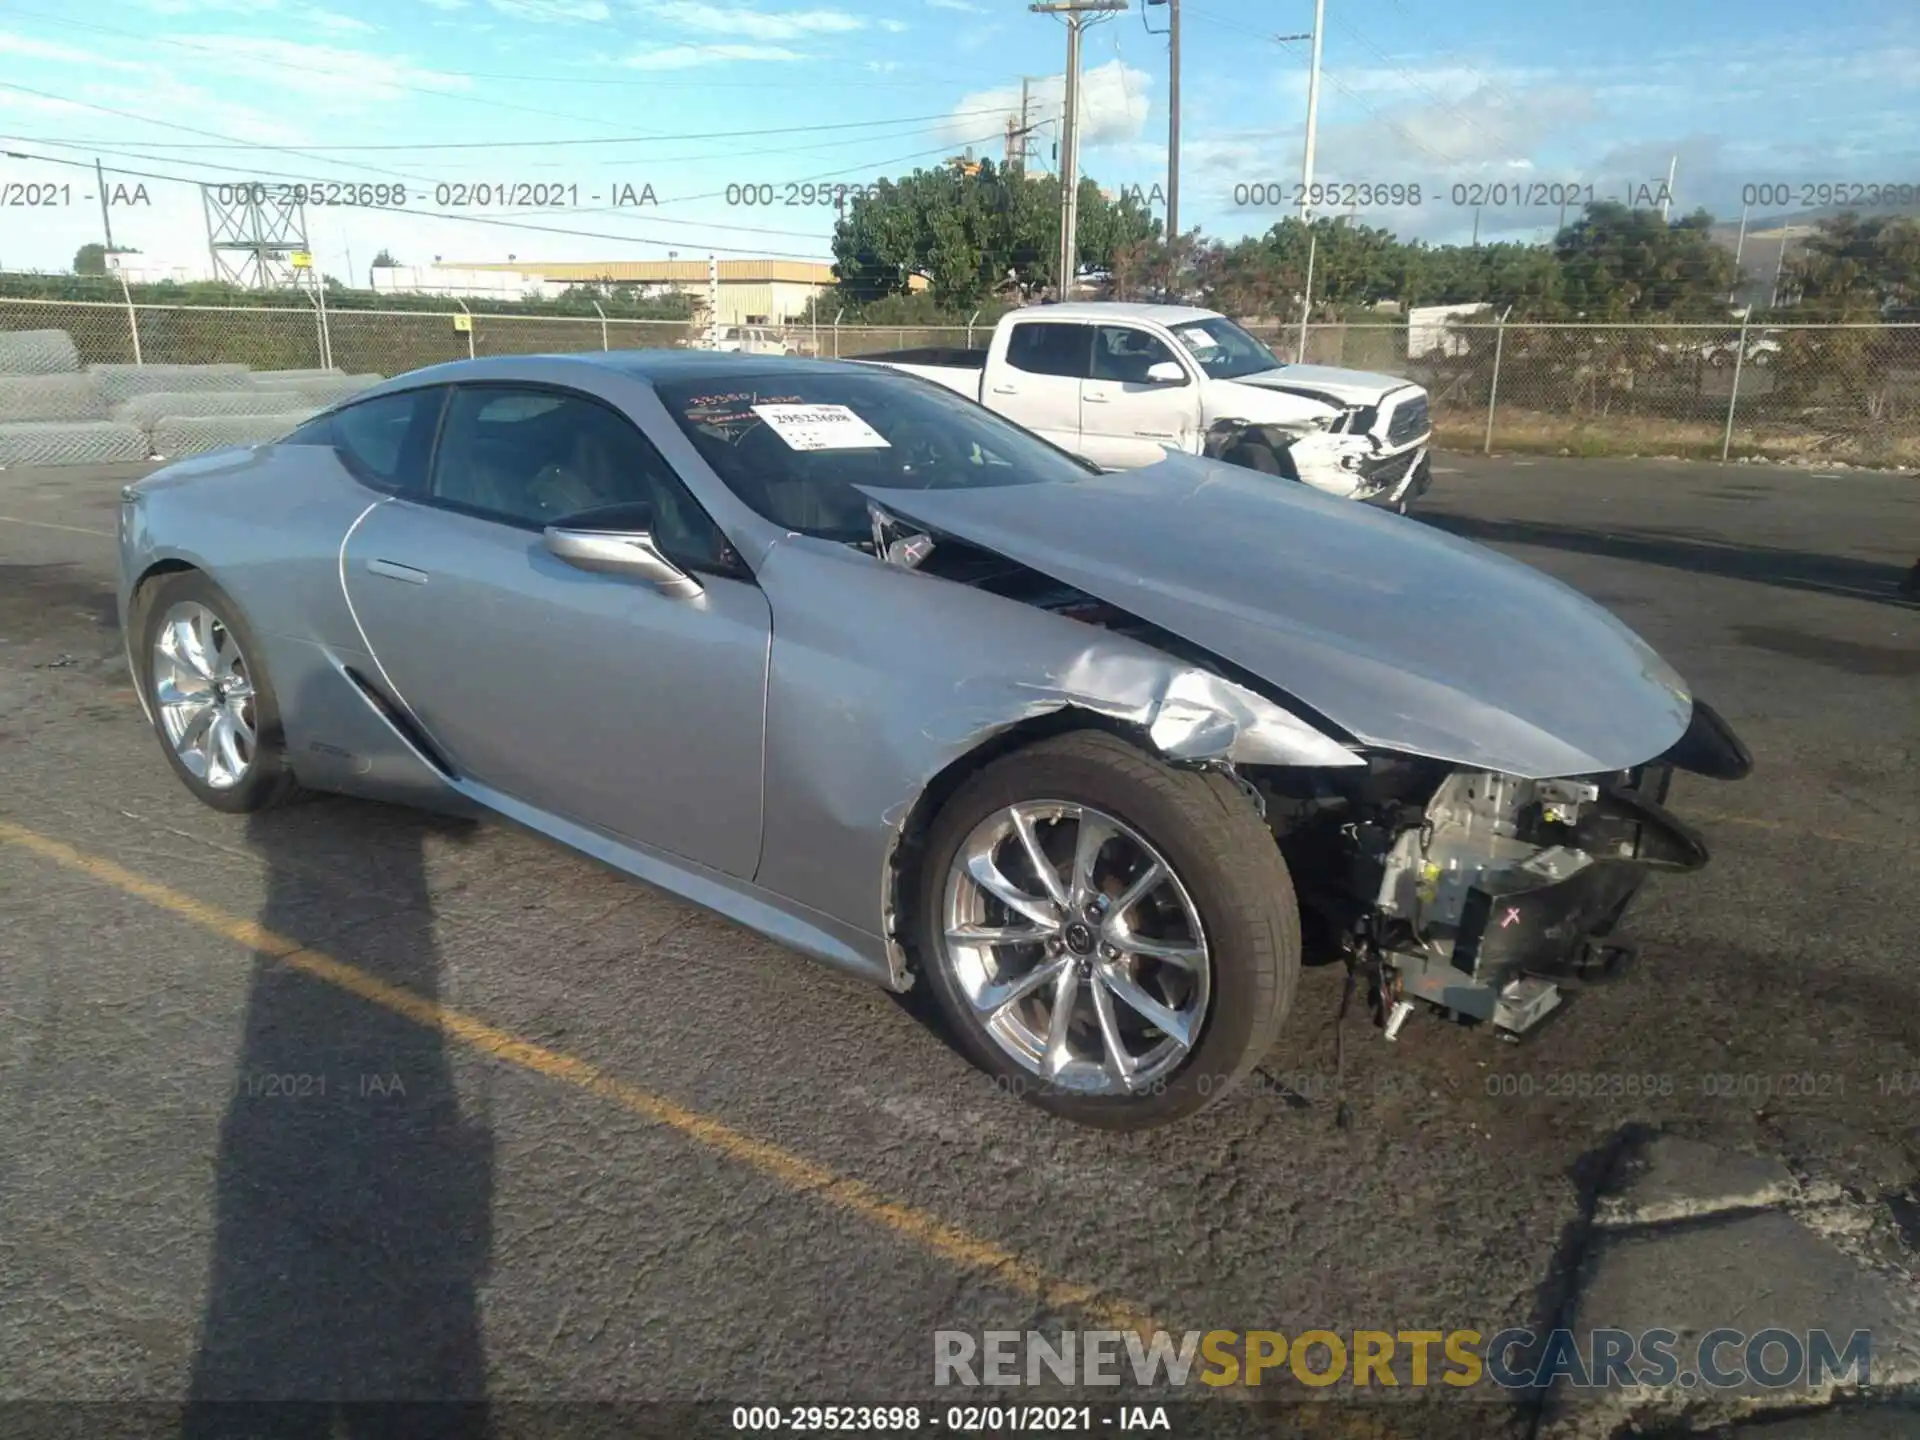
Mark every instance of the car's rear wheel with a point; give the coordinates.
(212, 704)
(1109, 936)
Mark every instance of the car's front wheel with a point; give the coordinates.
(212, 705)
(1107, 935)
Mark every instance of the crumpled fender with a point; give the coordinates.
(854, 745)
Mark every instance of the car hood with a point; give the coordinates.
(1407, 638)
(1329, 382)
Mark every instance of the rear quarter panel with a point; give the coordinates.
(265, 523)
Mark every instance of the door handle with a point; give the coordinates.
(1006, 389)
(1098, 399)
(394, 571)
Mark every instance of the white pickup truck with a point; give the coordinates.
(1124, 384)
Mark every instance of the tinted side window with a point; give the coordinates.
(1122, 353)
(385, 441)
(534, 457)
(1040, 348)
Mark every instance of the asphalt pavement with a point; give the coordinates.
(348, 1102)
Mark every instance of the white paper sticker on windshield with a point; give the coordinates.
(821, 427)
(1198, 338)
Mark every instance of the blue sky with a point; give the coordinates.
(692, 97)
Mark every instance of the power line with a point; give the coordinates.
(193, 130)
(1455, 56)
(569, 141)
(255, 173)
(502, 221)
(103, 144)
(324, 71)
(1417, 84)
(440, 214)
(650, 84)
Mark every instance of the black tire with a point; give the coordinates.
(1216, 843)
(1257, 455)
(267, 781)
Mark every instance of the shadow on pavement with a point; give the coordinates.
(1764, 565)
(353, 1210)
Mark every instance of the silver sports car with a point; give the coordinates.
(845, 657)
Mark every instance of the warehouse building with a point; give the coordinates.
(750, 292)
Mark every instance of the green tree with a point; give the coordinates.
(1860, 273)
(1621, 264)
(971, 232)
(90, 259)
(1854, 269)
(385, 261)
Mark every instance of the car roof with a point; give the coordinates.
(1115, 310)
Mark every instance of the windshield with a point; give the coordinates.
(1224, 350)
(794, 446)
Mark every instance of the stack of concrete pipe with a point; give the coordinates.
(55, 411)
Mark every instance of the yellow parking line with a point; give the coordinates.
(49, 525)
(948, 1242)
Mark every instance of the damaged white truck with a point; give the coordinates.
(1123, 385)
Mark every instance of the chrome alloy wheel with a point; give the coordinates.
(1077, 945)
(204, 696)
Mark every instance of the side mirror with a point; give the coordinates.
(621, 552)
(1166, 372)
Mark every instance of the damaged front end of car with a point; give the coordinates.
(1465, 832)
(1484, 896)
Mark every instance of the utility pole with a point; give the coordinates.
(1020, 137)
(1666, 198)
(1173, 115)
(1075, 12)
(1739, 247)
(1313, 112)
(100, 182)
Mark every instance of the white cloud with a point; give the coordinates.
(337, 24)
(196, 7)
(1114, 99)
(686, 57)
(754, 24)
(336, 78)
(32, 49)
(895, 27)
(446, 4)
(553, 11)
(965, 7)
(163, 94)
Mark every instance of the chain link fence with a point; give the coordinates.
(1822, 393)
(1825, 393)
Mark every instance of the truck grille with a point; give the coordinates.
(1383, 473)
(1409, 421)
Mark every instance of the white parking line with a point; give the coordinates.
(49, 525)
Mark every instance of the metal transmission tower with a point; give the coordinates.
(252, 235)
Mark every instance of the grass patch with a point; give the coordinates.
(1521, 432)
